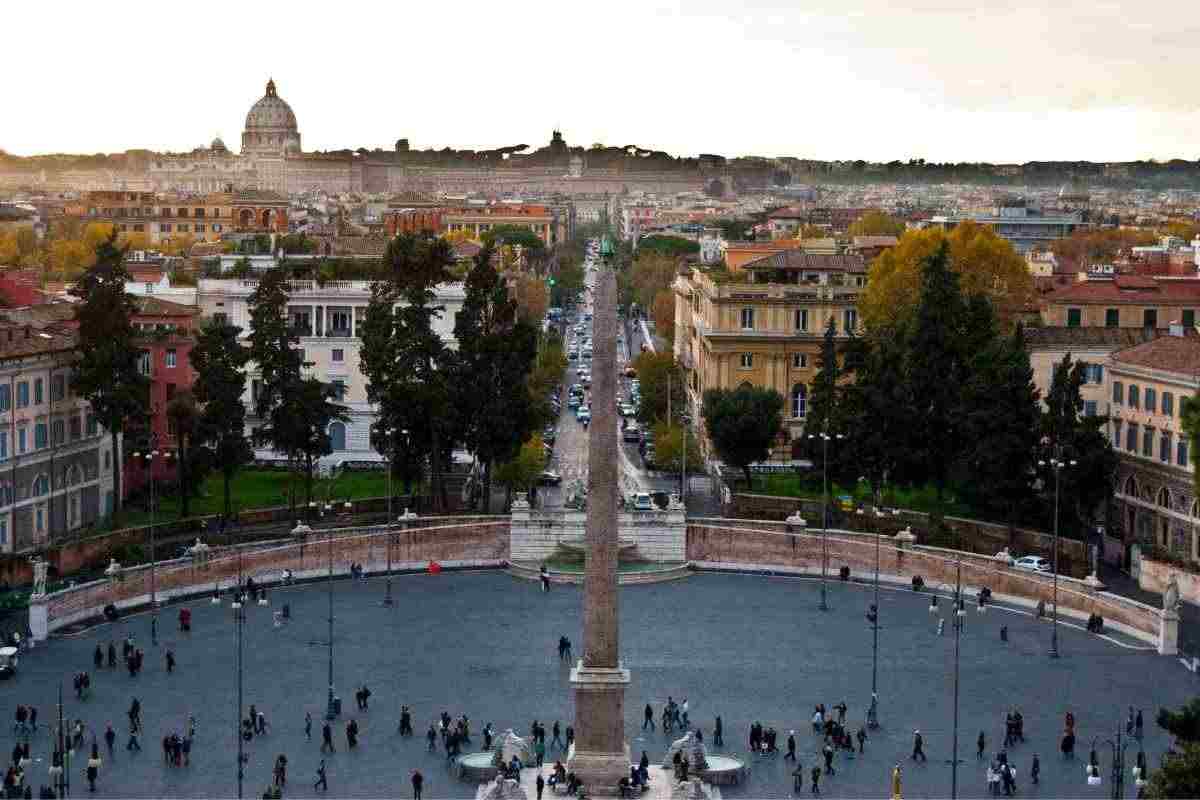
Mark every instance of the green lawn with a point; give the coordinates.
(264, 488)
(922, 498)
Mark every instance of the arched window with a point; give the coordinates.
(1164, 497)
(6, 494)
(1131, 487)
(746, 385)
(337, 436)
(41, 485)
(799, 400)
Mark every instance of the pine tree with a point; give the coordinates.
(219, 360)
(821, 416)
(106, 373)
(877, 408)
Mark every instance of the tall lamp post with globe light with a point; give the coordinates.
(1056, 462)
(825, 436)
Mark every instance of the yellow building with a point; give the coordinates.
(764, 324)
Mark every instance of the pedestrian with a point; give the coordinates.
(828, 753)
(980, 744)
(539, 751)
(649, 721)
(918, 746)
(327, 738)
(321, 781)
(112, 656)
(570, 736)
(540, 785)
(1004, 633)
(431, 737)
(281, 770)
(98, 658)
(110, 736)
(862, 739)
(93, 769)
(170, 661)
(545, 577)
(1137, 725)
(1035, 769)
(352, 734)
(717, 740)
(405, 721)
(308, 725)
(418, 782)
(816, 780)
(133, 738)
(791, 745)
(554, 740)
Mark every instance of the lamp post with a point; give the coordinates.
(239, 622)
(873, 712)
(148, 457)
(960, 614)
(330, 709)
(1056, 463)
(64, 772)
(1118, 763)
(825, 438)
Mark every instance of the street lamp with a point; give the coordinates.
(1056, 463)
(1118, 764)
(148, 457)
(330, 709)
(825, 438)
(960, 614)
(873, 616)
(239, 620)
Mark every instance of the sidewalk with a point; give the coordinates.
(1124, 585)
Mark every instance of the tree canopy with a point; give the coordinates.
(876, 223)
(742, 424)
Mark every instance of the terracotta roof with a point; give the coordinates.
(766, 247)
(259, 196)
(360, 245)
(163, 308)
(875, 241)
(1135, 289)
(17, 340)
(1169, 353)
(797, 259)
(1090, 338)
(201, 249)
(788, 212)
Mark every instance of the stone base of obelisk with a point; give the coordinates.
(600, 696)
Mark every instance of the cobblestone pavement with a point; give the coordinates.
(748, 648)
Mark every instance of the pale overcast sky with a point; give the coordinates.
(831, 79)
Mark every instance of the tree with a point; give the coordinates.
(876, 223)
(985, 264)
(1179, 776)
(673, 246)
(663, 313)
(515, 235)
(69, 257)
(934, 370)
(185, 419)
(567, 283)
(1189, 409)
(219, 360)
(106, 373)
(668, 448)
(407, 364)
(823, 393)
(532, 297)
(521, 473)
(272, 344)
(999, 416)
(1069, 435)
(300, 424)
(652, 273)
(877, 407)
(658, 372)
(496, 351)
(742, 424)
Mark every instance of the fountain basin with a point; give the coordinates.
(724, 770)
(477, 767)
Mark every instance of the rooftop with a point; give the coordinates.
(1135, 289)
(1091, 337)
(798, 259)
(1171, 353)
(163, 308)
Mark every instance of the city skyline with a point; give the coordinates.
(1087, 82)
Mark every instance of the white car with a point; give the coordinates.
(642, 502)
(1033, 563)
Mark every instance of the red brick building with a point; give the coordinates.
(167, 334)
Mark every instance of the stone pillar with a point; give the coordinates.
(601, 756)
(1168, 633)
(39, 617)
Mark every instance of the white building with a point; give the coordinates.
(329, 316)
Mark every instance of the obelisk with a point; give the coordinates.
(601, 756)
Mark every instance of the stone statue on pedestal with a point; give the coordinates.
(39, 577)
(1171, 596)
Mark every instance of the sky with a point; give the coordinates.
(943, 80)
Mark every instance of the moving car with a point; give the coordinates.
(1033, 563)
(632, 434)
(642, 502)
(627, 410)
(549, 478)
(8, 662)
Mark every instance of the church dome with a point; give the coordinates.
(271, 112)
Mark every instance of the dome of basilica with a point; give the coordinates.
(270, 125)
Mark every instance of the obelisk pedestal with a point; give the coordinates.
(601, 755)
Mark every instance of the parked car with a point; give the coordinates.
(632, 433)
(549, 478)
(583, 415)
(641, 502)
(1033, 563)
(627, 410)
(573, 401)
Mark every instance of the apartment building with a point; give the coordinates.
(1090, 346)
(1155, 495)
(56, 462)
(328, 317)
(764, 326)
(1123, 301)
(205, 217)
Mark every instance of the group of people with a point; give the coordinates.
(674, 715)
(177, 750)
(254, 724)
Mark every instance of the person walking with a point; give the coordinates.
(308, 726)
(418, 783)
(717, 740)
(93, 768)
(133, 737)
(327, 738)
(649, 720)
(170, 661)
(110, 736)
(555, 741)
(816, 780)
(918, 746)
(980, 744)
(321, 782)
(791, 745)
(540, 785)
(539, 751)
(828, 753)
(544, 574)
(862, 739)
(1035, 770)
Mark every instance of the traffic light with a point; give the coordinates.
(551, 281)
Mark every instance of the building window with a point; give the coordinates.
(164, 227)
(1095, 373)
(799, 401)
(1131, 434)
(1148, 442)
(1118, 392)
(337, 436)
(1164, 447)
(93, 427)
(22, 394)
(41, 485)
(1168, 404)
(171, 358)
(1074, 317)
(221, 318)
(850, 319)
(1117, 434)
(5, 398)
(801, 319)
(338, 355)
(1150, 318)
(76, 429)
(39, 436)
(39, 391)
(1189, 318)
(182, 227)
(255, 390)
(747, 360)
(1089, 408)
(58, 388)
(1112, 318)
(58, 431)
(1133, 395)
(339, 390)
(1181, 452)
(4, 532)
(748, 319)
(144, 362)
(1150, 400)
(799, 361)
